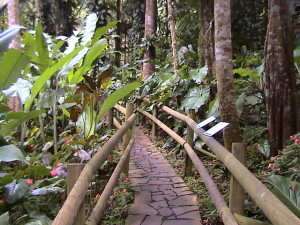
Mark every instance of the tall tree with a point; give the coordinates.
(224, 74)
(206, 35)
(150, 30)
(173, 35)
(13, 12)
(281, 95)
(118, 32)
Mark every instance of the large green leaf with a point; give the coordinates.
(198, 75)
(195, 98)
(7, 36)
(39, 83)
(102, 30)
(17, 118)
(287, 191)
(4, 219)
(38, 171)
(91, 55)
(116, 96)
(15, 191)
(11, 64)
(10, 153)
(87, 120)
(4, 108)
(41, 47)
(247, 72)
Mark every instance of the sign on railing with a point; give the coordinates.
(215, 129)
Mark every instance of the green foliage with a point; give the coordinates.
(116, 96)
(12, 63)
(4, 219)
(287, 163)
(10, 153)
(121, 200)
(7, 36)
(195, 98)
(287, 191)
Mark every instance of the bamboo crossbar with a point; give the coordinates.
(67, 213)
(120, 108)
(272, 207)
(117, 123)
(206, 152)
(216, 196)
(98, 211)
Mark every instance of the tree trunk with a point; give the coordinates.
(150, 30)
(206, 36)
(223, 51)
(173, 35)
(118, 38)
(281, 92)
(13, 12)
(37, 5)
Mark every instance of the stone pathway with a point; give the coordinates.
(162, 197)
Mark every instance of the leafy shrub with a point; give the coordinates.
(287, 163)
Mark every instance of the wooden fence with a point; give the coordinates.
(242, 178)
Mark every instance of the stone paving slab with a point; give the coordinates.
(161, 198)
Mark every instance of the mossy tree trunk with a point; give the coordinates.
(150, 31)
(172, 28)
(206, 35)
(224, 74)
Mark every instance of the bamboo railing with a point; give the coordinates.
(272, 207)
(68, 212)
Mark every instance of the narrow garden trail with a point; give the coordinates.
(161, 196)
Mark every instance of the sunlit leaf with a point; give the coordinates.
(10, 153)
(102, 30)
(11, 64)
(39, 83)
(7, 36)
(4, 219)
(116, 96)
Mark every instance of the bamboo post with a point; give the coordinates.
(190, 141)
(127, 136)
(73, 171)
(154, 125)
(110, 118)
(237, 192)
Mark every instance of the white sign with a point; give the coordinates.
(205, 122)
(215, 129)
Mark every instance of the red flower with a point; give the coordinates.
(65, 135)
(292, 136)
(265, 174)
(279, 152)
(32, 145)
(296, 141)
(127, 179)
(292, 188)
(1, 201)
(54, 172)
(270, 165)
(274, 169)
(29, 181)
(68, 142)
(97, 196)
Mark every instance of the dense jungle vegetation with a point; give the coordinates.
(65, 63)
